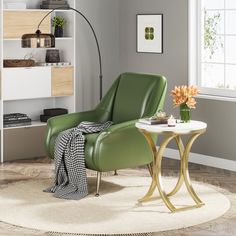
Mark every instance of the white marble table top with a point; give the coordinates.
(180, 128)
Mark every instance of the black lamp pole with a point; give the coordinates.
(39, 35)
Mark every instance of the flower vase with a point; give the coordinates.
(184, 113)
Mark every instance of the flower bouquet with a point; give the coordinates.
(183, 96)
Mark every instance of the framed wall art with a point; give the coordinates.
(150, 33)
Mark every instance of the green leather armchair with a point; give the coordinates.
(131, 97)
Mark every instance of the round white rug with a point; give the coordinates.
(115, 212)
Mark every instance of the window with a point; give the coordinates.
(212, 46)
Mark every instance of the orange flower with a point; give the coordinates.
(184, 94)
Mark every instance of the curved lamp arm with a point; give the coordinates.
(94, 34)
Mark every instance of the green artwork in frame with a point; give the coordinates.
(149, 33)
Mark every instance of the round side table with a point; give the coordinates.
(194, 129)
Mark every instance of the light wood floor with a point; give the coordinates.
(42, 168)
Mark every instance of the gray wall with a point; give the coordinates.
(119, 51)
(219, 140)
(104, 16)
(173, 62)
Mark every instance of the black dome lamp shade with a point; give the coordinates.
(38, 40)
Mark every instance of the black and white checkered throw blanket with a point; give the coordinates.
(70, 172)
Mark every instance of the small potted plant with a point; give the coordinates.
(58, 24)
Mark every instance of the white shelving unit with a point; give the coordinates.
(1, 66)
(18, 93)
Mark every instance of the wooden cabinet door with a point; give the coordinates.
(17, 23)
(62, 81)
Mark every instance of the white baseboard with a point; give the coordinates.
(203, 160)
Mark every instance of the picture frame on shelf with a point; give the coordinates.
(150, 33)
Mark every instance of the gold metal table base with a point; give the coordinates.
(184, 177)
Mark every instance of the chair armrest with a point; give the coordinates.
(60, 123)
(121, 126)
(57, 124)
(121, 146)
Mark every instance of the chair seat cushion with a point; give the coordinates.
(124, 149)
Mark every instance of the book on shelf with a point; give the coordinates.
(17, 124)
(156, 121)
(15, 119)
(59, 2)
(53, 6)
(15, 116)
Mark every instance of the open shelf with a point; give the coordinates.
(38, 66)
(33, 124)
(64, 38)
(19, 39)
(46, 10)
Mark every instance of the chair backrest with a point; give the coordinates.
(137, 95)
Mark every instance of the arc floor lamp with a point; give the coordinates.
(42, 40)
